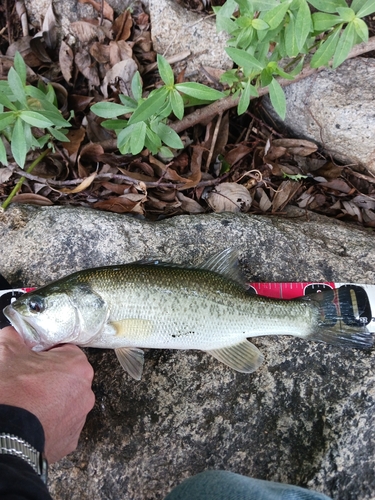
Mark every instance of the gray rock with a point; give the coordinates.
(306, 417)
(175, 29)
(336, 108)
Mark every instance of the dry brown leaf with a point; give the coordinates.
(304, 200)
(122, 26)
(352, 209)
(79, 102)
(100, 52)
(5, 174)
(338, 185)
(119, 51)
(363, 201)
(107, 9)
(66, 58)
(81, 187)
(284, 194)
(75, 139)
(22, 45)
(137, 176)
(300, 147)
(195, 168)
(116, 188)
(123, 204)
(124, 70)
(189, 205)
(32, 199)
(85, 66)
(237, 153)
(88, 158)
(264, 202)
(49, 28)
(85, 31)
(229, 197)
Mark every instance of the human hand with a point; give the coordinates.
(54, 385)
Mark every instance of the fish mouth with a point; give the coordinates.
(24, 329)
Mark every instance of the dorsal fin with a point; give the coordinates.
(224, 262)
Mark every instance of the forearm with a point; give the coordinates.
(17, 478)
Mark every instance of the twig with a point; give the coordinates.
(209, 112)
(17, 187)
(214, 139)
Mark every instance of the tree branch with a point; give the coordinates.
(209, 112)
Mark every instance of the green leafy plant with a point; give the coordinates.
(29, 119)
(147, 126)
(264, 33)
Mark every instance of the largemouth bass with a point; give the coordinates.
(166, 306)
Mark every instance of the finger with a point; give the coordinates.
(10, 334)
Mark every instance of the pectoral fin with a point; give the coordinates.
(131, 359)
(243, 357)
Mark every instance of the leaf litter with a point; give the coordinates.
(232, 163)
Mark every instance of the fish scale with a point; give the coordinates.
(154, 305)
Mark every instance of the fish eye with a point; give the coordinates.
(36, 304)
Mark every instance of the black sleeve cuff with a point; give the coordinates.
(23, 424)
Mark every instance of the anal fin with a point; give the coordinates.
(243, 357)
(132, 360)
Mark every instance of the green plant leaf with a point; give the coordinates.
(291, 46)
(260, 25)
(3, 153)
(55, 116)
(328, 5)
(114, 124)
(169, 136)
(226, 9)
(199, 91)
(264, 5)
(361, 29)
(20, 67)
(165, 70)
(366, 9)
(165, 152)
(244, 101)
(325, 52)
(356, 5)
(323, 21)
(109, 109)
(35, 119)
(303, 24)
(266, 77)
(58, 134)
(177, 104)
(18, 144)
(7, 119)
(244, 59)
(128, 102)
(136, 86)
(223, 23)
(246, 37)
(277, 97)
(17, 86)
(138, 138)
(152, 141)
(344, 46)
(275, 16)
(150, 106)
(346, 14)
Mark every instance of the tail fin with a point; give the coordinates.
(342, 317)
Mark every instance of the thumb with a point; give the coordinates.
(10, 334)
